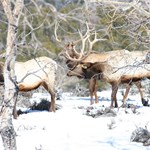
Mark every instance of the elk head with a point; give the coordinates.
(88, 70)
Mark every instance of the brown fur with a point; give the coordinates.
(24, 88)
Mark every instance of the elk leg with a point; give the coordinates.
(95, 91)
(52, 93)
(139, 86)
(91, 89)
(126, 94)
(52, 106)
(113, 94)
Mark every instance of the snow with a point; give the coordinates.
(70, 129)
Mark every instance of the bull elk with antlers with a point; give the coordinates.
(76, 61)
(115, 73)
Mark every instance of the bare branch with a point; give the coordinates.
(55, 31)
(72, 54)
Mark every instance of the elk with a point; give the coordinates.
(33, 73)
(101, 57)
(114, 75)
(74, 58)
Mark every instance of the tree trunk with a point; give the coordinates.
(6, 127)
(10, 94)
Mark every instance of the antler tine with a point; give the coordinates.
(91, 43)
(84, 38)
(70, 53)
(74, 49)
(68, 57)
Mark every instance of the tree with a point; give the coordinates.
(12, 10)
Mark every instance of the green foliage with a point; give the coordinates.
(116, 26)
(110, 24)
(3, 30)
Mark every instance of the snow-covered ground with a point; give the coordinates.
(70, 129)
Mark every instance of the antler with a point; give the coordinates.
(70, 51)
(83, 39)
(91, 43)
(72, 54)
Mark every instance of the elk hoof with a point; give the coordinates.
(144, 102)
(97, 101)
(123, 105)
(116, 105)
(52, 109)
(91, 103)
